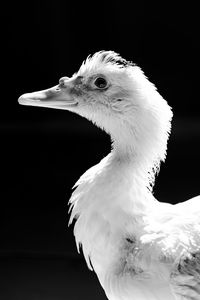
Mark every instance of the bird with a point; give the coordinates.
(140, 248)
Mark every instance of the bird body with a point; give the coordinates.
(139, 248)
(135, 248)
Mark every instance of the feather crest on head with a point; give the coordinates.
(102, 59)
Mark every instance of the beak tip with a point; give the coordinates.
(21, 99)
(26, 99)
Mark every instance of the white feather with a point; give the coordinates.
(139, 248)
(135, 244)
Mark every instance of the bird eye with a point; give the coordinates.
(100, 82)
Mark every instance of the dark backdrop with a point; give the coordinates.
(44, 151)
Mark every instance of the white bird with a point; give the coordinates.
(139, 248)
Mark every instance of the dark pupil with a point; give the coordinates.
(100, 83)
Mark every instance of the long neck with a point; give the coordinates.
(142, 143)
(123, 182)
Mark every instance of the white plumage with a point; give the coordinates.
(139, 248)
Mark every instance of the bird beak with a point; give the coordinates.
(55, 97)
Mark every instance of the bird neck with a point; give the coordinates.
(142, 143)
(124, 182)
(133, 165)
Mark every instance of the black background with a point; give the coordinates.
(44, 151)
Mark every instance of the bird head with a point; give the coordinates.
(101, 91)
(115, 95)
